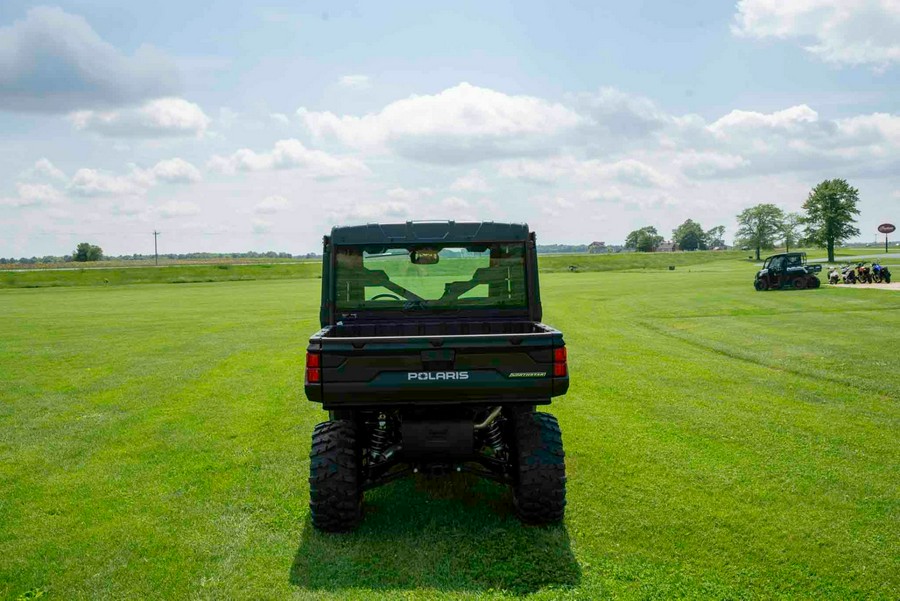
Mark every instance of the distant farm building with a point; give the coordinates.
(667, 247)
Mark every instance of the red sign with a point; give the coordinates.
(886, 228)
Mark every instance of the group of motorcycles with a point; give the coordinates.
(861, 273)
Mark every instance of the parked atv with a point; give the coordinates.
(787, 270)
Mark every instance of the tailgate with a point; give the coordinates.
(398, 370)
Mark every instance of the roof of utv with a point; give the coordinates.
(418, 232)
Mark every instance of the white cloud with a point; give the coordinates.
(463, 124)
(163, 117)
(355, 82)
(53, 61)
(470, 182)
(176, 208)
(790, 120)
(280, 118)
(272, 204)
(626, 171)
(44, 169)
(176, 171)
(291, 154)
(709, 164)
(454, 203)
(842, 32)
(555, 207)
(410, 195)
(370, 212)
(38, 193)
(92, 182)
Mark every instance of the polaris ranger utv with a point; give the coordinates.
(787, 270)
(431, 359)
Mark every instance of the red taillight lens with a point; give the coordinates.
(313, 368)
(560, 366)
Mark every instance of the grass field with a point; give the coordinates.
(721, 443)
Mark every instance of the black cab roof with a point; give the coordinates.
(424, 232)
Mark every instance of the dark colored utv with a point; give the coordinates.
(431, 359)
(787, 270)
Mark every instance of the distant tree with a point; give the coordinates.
(790, 230)
(759, 226)
(715, 236)
(87, 252)
(689, 236)
(830, 210)
(645, 239)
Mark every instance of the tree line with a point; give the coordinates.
(92, 252)
(828, 220)
(690, 235)
(830, 214)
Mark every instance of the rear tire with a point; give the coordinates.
(539, 490)
(800, 283)
(335, 493)
(814, 282)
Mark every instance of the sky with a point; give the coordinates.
(235, 126)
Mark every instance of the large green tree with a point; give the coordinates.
(689, 236)
(790, 230)
(86, 251)
(645, 239)
(830, 214)
(759, 226)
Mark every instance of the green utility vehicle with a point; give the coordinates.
(787, 270)
(432, 359)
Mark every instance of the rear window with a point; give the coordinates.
(430, 277)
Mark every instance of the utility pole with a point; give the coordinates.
(155, 251)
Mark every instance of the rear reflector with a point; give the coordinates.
(313, 368)
(560, 365)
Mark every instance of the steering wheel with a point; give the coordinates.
(385, 295)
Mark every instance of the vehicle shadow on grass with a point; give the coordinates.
(450, 534)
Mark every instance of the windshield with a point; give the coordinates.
(448, 277)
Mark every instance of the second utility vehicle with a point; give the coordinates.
(432, 358)
(787, 270)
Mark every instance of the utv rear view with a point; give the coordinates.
(432, 359)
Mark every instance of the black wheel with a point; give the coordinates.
(800, 282)
(335, 493)
(539, 490)
(759, 285)
(814, 282)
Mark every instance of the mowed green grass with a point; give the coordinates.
(721, 443)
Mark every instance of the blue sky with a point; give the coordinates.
(232, 126)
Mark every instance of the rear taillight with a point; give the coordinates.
(313, 368)
(560, 362)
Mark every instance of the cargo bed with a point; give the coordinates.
(460, 362)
